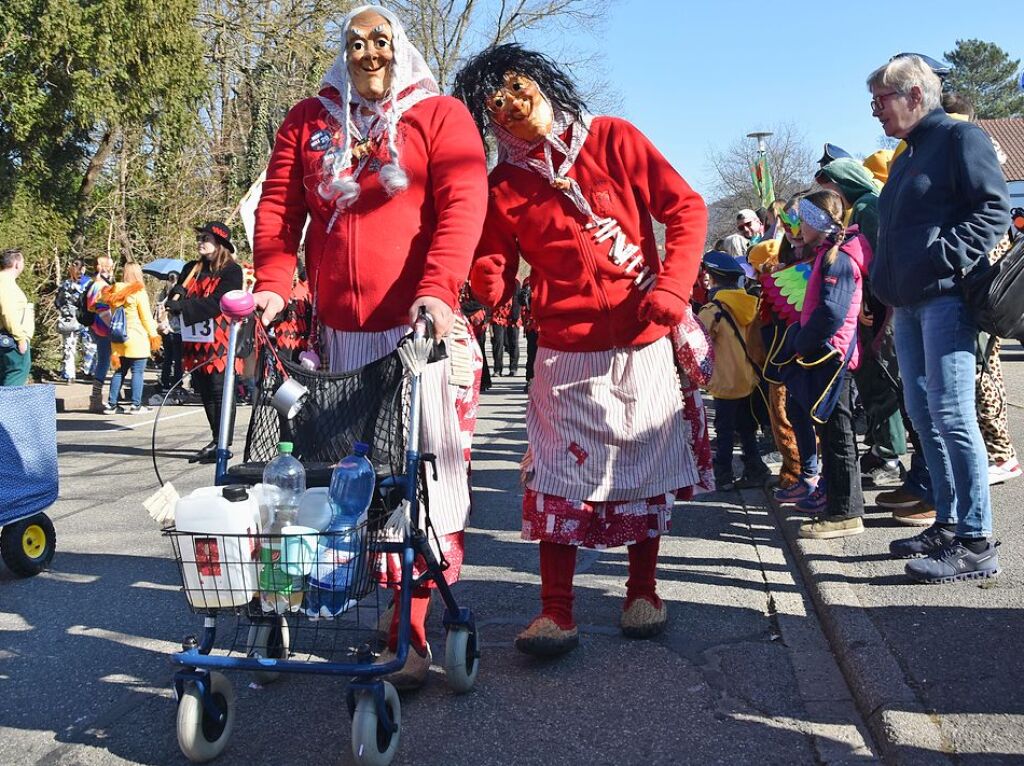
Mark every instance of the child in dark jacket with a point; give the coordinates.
(728, 317)
(826, 349)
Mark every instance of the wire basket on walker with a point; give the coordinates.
(299, 602)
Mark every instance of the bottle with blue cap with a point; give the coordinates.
(340, 565)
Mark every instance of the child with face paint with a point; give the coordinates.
(826, 349)
(575, 196)
(393, 178)
(792, 426)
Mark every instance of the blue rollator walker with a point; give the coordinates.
(28, 477)
(270, 634)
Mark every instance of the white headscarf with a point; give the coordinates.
(411, 82)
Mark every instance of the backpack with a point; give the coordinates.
(118, 325)
(82, 313)
(994, 293)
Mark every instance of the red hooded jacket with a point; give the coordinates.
(581, 299)
(382, 253)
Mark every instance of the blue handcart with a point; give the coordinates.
(28, 477)
(283, 634)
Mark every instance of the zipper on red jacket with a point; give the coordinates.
(352, 256)
(590, 256)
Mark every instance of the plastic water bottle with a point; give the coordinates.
(284, 479)
(351, 490)
(340, 565)
(284, 482)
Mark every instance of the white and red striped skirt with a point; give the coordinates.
(610, 446)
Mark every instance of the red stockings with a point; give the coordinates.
(557, 566)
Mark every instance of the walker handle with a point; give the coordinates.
(424, 326)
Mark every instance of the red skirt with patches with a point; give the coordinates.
(598, 525)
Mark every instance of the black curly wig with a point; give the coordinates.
(483, 74)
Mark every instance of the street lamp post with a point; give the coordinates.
(760, 136)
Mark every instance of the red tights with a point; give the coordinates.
(558, 565)
(417, 620)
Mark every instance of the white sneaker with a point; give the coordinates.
(1004, 471)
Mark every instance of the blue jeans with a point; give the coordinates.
(806, 441)
(935, 343)
(138, 368)
(102, 358)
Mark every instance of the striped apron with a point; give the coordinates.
(610, 445)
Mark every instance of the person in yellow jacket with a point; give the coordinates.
(728, 316)
(17, 322)
(140, 338)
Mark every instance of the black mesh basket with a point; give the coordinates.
(364, 405)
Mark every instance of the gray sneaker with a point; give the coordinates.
(924, 544)
(954, 562)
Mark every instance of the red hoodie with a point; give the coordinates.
(382, 252)
(581, 299)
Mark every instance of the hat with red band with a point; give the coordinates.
(219, 232)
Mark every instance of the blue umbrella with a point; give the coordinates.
(161, 267)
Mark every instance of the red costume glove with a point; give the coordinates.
(487, 280)
(662, 307)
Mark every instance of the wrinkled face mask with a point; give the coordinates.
(520, 108)
(370, 51)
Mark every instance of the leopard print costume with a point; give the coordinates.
(990, 392)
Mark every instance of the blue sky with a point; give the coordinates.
(698, 75)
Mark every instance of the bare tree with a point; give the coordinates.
(447, 30)
(792, 163)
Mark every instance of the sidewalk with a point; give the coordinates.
(936, 670)
(74, 397)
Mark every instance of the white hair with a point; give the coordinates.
(905, 72)
(408, 69)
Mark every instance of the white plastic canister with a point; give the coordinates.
(218, 554)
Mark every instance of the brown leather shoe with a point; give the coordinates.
(918, 515)
(413, 674)
(543, 638)
(642, 619)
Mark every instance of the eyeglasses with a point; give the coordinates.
(878, 102)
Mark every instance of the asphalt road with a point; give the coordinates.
(742, 674)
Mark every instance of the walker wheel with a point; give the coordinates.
(27, 546)
(461, 658)
(372, 745)
(270, 640)
(202, 736)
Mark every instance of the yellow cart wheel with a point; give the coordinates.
(27, 546)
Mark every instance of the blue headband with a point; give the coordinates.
(813, 216)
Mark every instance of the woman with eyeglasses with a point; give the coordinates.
(942, 211)
(204, 330)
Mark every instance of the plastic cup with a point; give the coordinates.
(315, 509)
(298, 550)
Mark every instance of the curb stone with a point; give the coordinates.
(903, 728)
